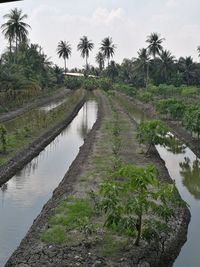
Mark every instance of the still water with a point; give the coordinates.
(23, 197)
(184, 168)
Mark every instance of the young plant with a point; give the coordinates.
(138, 204)
(153, 132)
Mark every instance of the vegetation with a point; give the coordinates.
(153, 133)
(3, 139)
(107, 48)
(128, 203)
(85, 46)
(64, 50)
(23, 130)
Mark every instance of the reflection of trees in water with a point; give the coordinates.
(175, 146)
(22, 175)
(191, 176)
(83, 129)
(3, 189)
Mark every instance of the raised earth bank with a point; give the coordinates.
(90, 168)
(176, 128)
(42, 100)
(61, 117)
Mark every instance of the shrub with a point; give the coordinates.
(105, 84)
(73, 82)
(90, 84)
(145, 97)
(135, 195)
(153, 132)
(189, 91)
(125, 88)
(3, 139)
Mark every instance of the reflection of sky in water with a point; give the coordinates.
(52, 105)
(188, 183)
(31, 187)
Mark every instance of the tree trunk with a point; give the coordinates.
(86, 59)
(148, 149)
(16, 49)
(137, 242)
(65, 64)
(147, 77)
(108, 61)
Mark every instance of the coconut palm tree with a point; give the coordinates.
(198, 50)
(100, 59)
(15, 28)
(142, 63)
(85, 46)
(108, 48)
(166, 63)
(187, 66)
(155, 44)
(64, 50)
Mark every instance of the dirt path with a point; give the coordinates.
(59, 94)
(88, 170)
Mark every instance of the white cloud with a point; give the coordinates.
(127, 23)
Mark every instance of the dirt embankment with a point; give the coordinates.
(16, 163)
(59, 94)
(33, 252)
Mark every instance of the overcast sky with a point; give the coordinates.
(128, 22)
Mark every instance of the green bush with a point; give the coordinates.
(125, 88)
(189, 91)
(153, 89)
(171, 107)
(145, 97)
(105, 84)
(90, 84)
(73, 82)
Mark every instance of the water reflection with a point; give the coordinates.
(24, 195)
(52, 105)
(176, 146)
(84, 125)
(190, 171)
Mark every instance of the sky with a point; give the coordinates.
(128, 22)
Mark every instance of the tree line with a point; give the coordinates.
(25, 65)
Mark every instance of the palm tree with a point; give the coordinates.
(198, 50)
(100, 59)
(187, 66)
(166, 63)
(142, 62)
(85, 46)
(154, 48)
(15, 28)
(107, 48)
(64, 50)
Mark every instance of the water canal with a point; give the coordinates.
(24, 195)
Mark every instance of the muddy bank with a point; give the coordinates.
(16, 163)
(33, 252)
(34, 104)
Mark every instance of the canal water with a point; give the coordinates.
(23, 197)
(184, 168)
